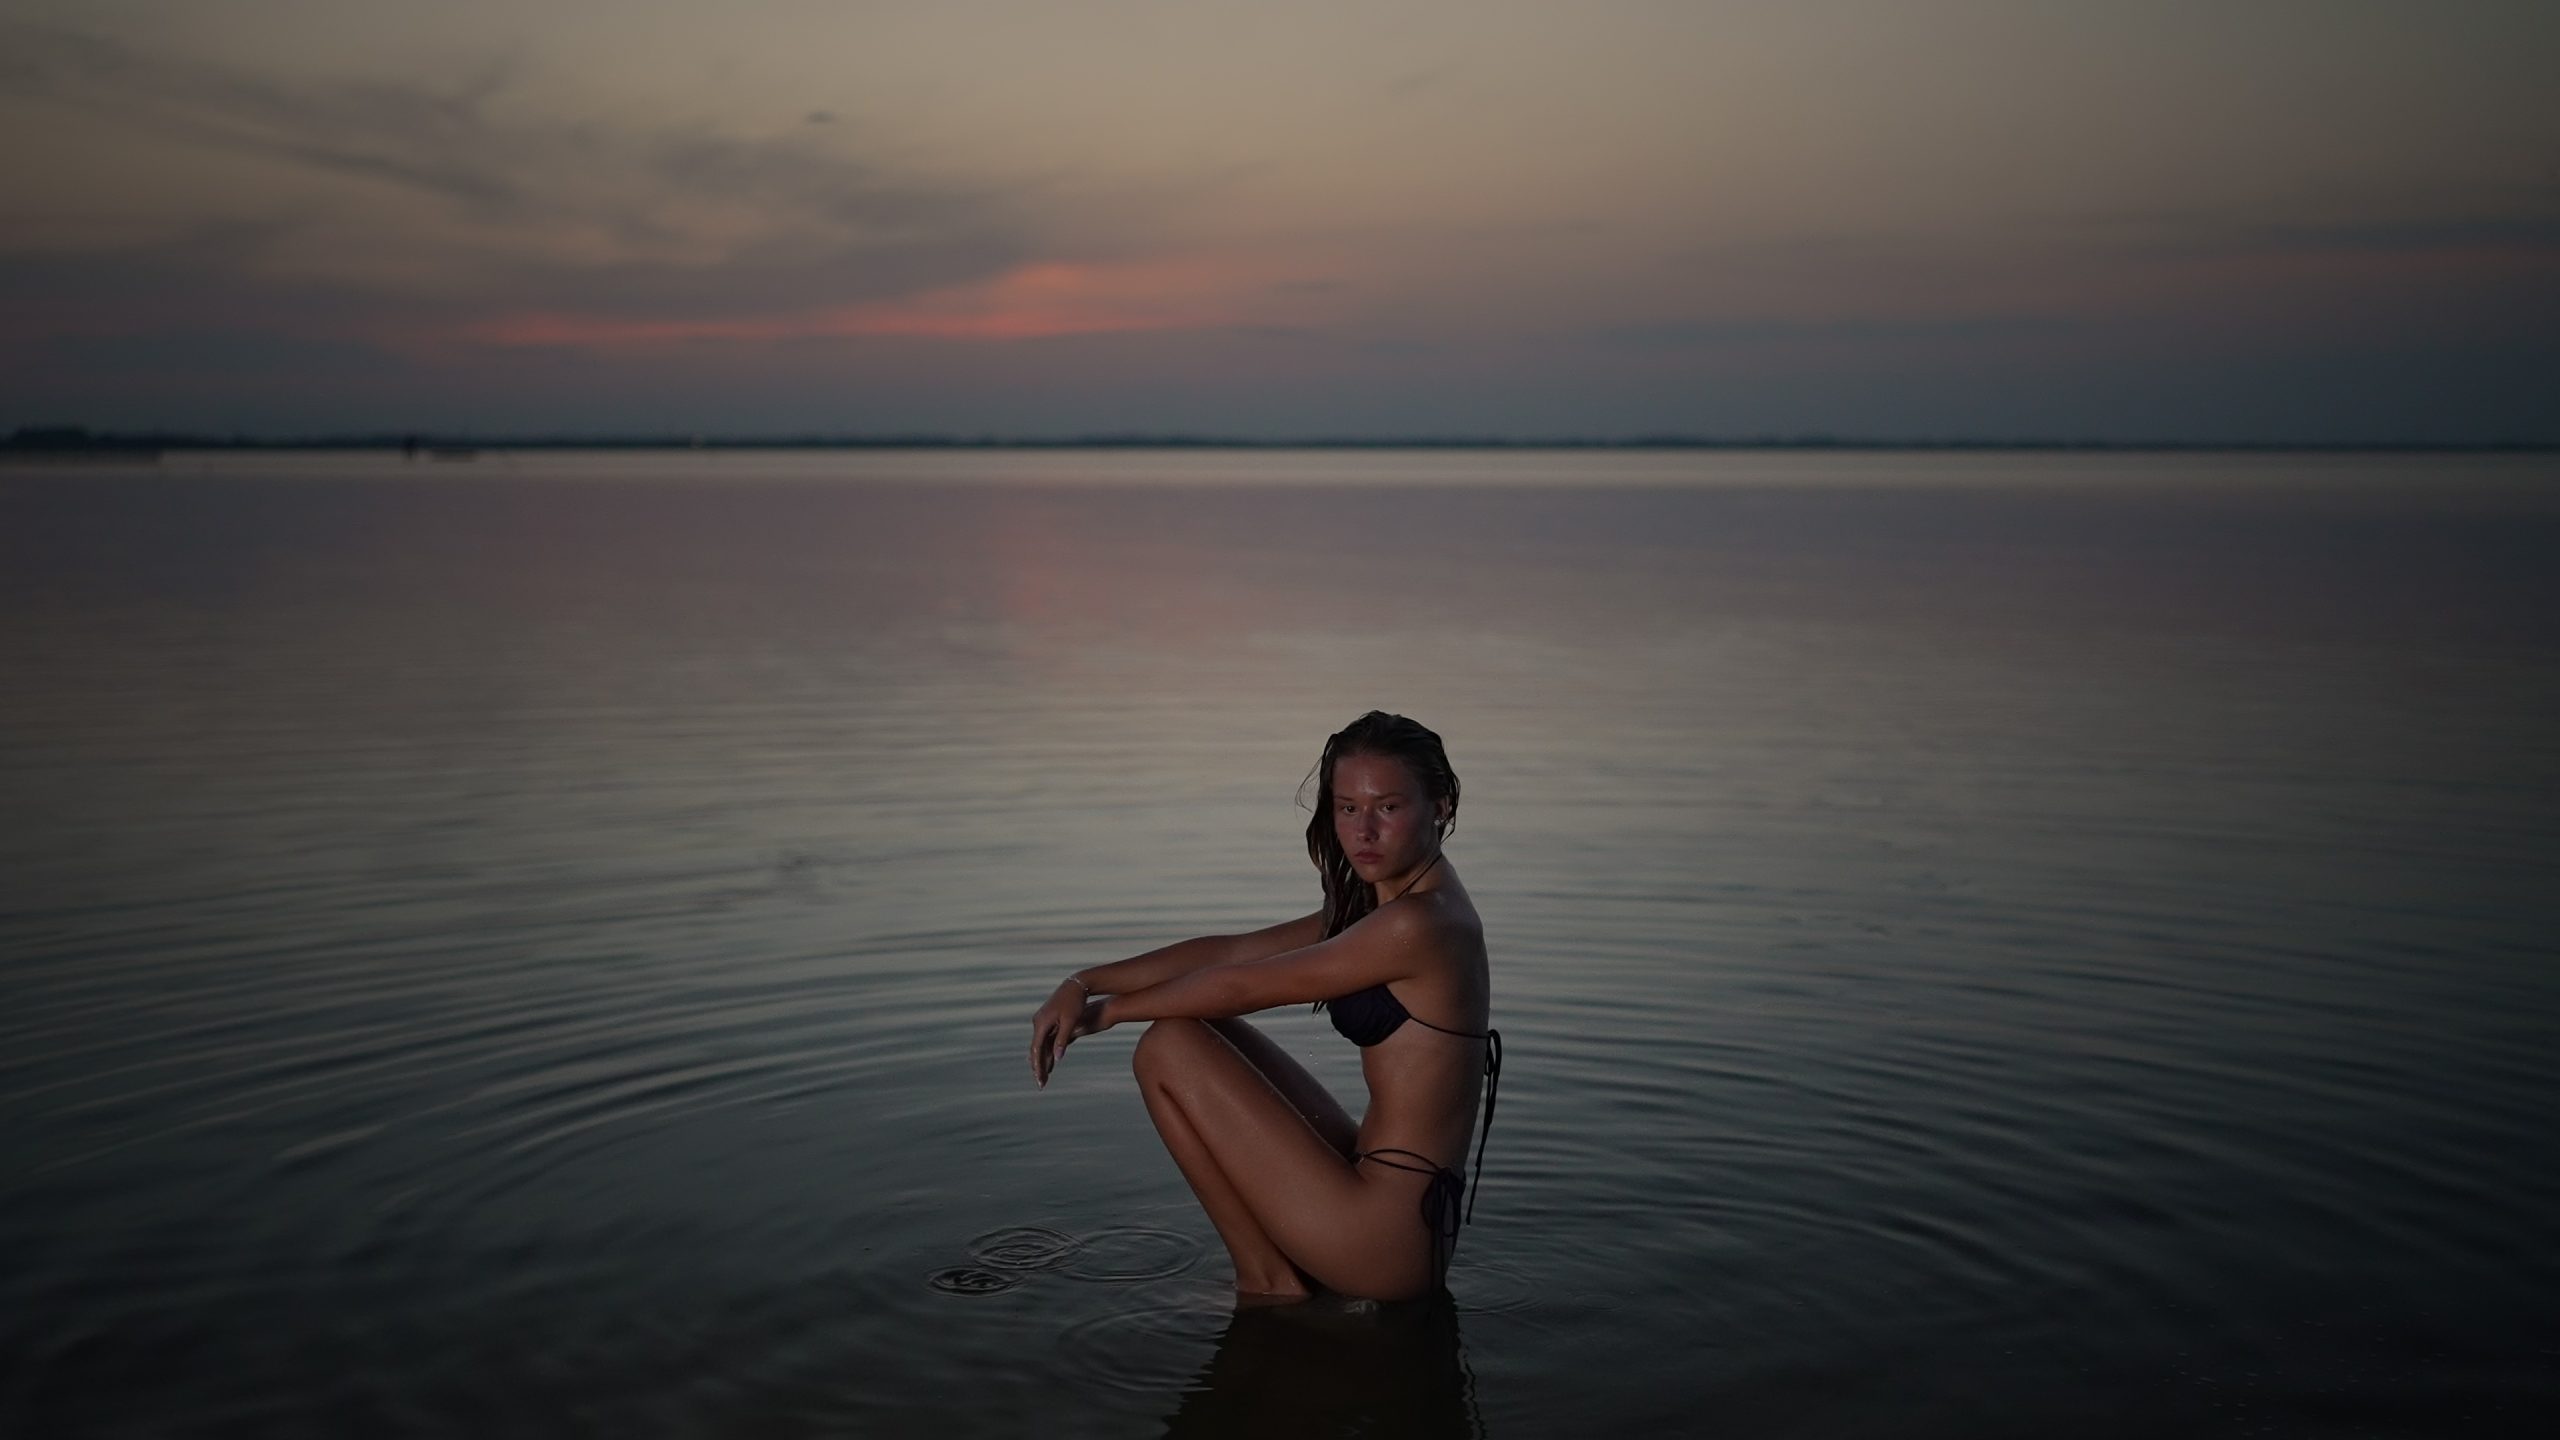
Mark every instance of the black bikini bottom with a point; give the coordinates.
(1440, 1213)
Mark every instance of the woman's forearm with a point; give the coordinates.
(1156, 966)
(1204, 994)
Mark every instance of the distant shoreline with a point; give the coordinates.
(72, 442)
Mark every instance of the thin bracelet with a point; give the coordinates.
(1087, 989)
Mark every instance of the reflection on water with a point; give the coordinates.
(1984, 942)
(1334, 1368)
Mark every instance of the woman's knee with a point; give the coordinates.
(1165, 1043)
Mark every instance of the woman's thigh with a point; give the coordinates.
(1295, 1085)
(1353, 1232)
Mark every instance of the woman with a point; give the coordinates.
(1300, 1193)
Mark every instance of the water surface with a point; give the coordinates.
(1986, 944)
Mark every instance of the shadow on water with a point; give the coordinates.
(1334, 1367)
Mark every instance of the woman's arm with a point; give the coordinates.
(1389, 944)
(1158, 966)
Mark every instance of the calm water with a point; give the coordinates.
(1987, 944)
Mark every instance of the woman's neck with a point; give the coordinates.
(1380, 889)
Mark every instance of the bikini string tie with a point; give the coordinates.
(1492, 1090)
(1440, 1217)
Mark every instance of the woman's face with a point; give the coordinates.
(1386, 824)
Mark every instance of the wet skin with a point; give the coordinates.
(1265, 1148)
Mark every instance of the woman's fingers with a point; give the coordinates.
(1046, 1051)
(1051, 1034)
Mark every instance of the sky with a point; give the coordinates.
(2261, 221)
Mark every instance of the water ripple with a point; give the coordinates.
(1026, 1247)
(972, 1280)
(1147, 1350)
(1121, 1254)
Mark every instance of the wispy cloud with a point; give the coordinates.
(432, 140)
(507, 206)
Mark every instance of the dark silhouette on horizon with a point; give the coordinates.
(77, 440)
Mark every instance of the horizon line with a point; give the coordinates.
(75, 439)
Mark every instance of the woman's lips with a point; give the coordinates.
(1365, 857)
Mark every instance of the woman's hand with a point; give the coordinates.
(1070, 1014)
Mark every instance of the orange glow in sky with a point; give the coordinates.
(1028, 302)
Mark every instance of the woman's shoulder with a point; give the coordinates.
(1443, 918)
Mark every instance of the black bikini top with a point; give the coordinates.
(1367, 1017)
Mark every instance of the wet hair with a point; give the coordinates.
(1346, 896)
